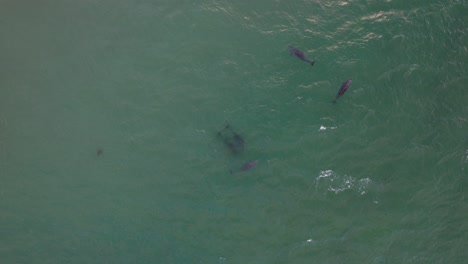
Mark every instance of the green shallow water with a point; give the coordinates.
(378, 177)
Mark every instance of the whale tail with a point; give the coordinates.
(312, 63)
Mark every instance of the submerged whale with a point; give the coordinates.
(343, 89)
(300, 55)
(247, 166)
(232, 139)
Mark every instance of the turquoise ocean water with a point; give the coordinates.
(109, 113)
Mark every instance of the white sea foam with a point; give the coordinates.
(322, 128)
(338, 183)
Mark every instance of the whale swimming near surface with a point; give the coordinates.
(247, 166)
(232, 139)
(343, 89)
(300, 55)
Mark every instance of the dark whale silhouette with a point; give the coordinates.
(247, 166)
(300, 55)
(343, 89)
(233, 140)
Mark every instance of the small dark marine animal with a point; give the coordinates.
(343, 89)
(300, 55)
(233, 141)
(247, 166)
(99, 152)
